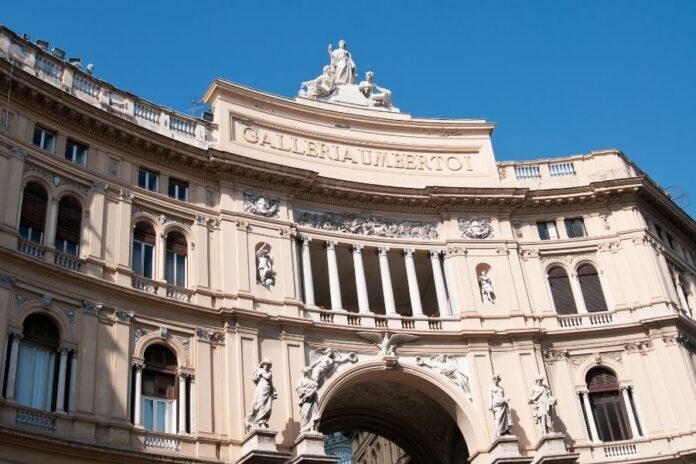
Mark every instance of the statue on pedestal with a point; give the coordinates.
(377, 95)
(307, 391)
(498, 404)
(345, 70)
(265, 275)
(542, 402)
(264, 395)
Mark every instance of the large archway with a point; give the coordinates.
(408, 407)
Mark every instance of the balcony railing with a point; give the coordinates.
(67, 261)
(527, 172)
(146, 285)
(178, 293)
(561, 169)
(620, 451)
(163, 442)
(31, 248)
(585, 320)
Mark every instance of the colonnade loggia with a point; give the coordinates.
(442, 275)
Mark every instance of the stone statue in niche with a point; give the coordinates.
(377, 95)
(308, 398)
(543, 403)
(344, 67)
(265, 275)
(321, 86)
(499, 406)
(261, 205)
(486, 286)
(475, 228)
(447, 366)
(264, 394)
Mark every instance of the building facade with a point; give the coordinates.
(149, 262)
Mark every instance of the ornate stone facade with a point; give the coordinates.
(196, 248)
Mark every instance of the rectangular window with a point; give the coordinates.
(142, 259)
(547, 230)
(575, 227)
(659, 232)
(178, 189)
(670, 241)
(176, 269)
(158, 414)
(35, 372)
(44, 139)
(30, 233)
(148, 180)
(76, 152)
(6, 118)
(67, 247)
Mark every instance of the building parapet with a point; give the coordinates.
(104, 96)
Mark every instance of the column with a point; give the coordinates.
(12, 368)
(442, 303)
(73, 383)
(160, 252)
(631, 413)
(51, 221)
(182, 403)
(577, 293)
(62, 371)
(413, 290)
(192, 403)
(334, 282)
(451, 281)
(360, 284)
(584, 394)
(387, 289)
(137, 420)
(307, 272)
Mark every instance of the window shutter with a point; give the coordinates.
(562, 292)
(591, 289)
(34, 205)
(69, 220)
(144, 233)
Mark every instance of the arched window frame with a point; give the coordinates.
(150, 221)
(60, 195)
(547, 271)
(49, 195)
(166, 232)
(184, 410)
(580, 297)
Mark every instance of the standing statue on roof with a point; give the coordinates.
(345, 70)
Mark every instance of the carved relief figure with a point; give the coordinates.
(342, 63)
(307, 391)
(486, 286)
(325, 363)
(447, 366)
(265, 275)
(387, 345)
(543, 403)
(498, 404)
(475, 228)
(367, 224)
(321, 86)
(265, 393)
(261, 205)
(377, 95)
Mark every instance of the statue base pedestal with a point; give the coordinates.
(551, 449)
(309, 449)
(259, 447)
(505, 450)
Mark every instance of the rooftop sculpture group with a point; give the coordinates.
(337, 83)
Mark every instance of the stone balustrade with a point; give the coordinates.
(568, 171)
(585, 320)
(59, 73)
(31, 248)
(381, 321)
(146, 285)
(162, 442)
(35, 419)
(67, 261)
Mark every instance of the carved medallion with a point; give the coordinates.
(261, 205)
(475, 228)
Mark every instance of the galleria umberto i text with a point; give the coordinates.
(283, 272)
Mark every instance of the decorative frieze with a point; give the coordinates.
(261, 205)
(6, 280)
(368, 224)
(139, 333)
(185, 343)
(551, 356)
(528, 253)
(612, 247)
(70, 315)
(642, 346)
(123, 316)
(21, 298)
(446, 364)
(568, 258)
(476, 228)
(55, 179)
(90, 308)
(210, 336)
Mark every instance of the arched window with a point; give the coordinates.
(36, 380)
(32, 220)
(608, 408)
(143, 249)
(591, 288)
(561, 291)
(68, 226)
(177, 250)
(159, 392)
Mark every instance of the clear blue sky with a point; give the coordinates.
(557, 77)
